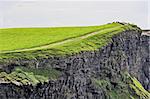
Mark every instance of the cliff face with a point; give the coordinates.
(145, 59)
(90, 74)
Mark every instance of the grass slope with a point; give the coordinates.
(42, 42)
(20, 38)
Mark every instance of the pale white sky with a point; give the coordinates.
(44, 13)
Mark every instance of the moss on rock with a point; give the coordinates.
(130, 88)
(29, 76)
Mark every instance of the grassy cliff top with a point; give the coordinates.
(35, 42)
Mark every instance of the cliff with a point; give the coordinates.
(109, 72)
(145, 59)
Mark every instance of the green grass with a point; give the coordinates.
(90, 43)
(46, 72)
(19, 38)
(138, 89)
(29, 76)
(32, 41)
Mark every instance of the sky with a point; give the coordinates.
(52, 13)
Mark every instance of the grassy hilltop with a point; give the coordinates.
(57, 40)
(20, 38)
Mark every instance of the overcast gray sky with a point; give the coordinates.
(44, 13)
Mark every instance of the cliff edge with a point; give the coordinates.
(119, 68)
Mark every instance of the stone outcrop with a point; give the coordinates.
(128, 51)
(145, 59)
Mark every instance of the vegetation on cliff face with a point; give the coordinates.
(137, 89)
(129, 88)
(52, 43)
(113, 92)
(29, 76)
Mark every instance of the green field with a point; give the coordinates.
(20, 38)
(57, 40)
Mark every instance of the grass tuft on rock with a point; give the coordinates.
(29, 76)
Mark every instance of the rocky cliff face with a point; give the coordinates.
(145, 59)
(129, 51)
